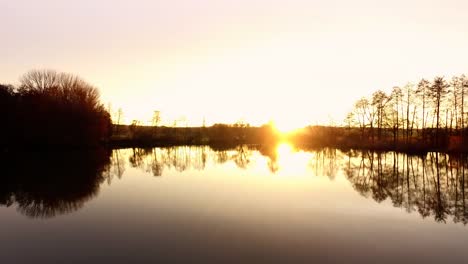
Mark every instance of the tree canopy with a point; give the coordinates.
(52, 108)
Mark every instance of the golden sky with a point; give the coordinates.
(296, 62)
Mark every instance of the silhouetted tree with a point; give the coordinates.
(459, 84)
(396, 96)
(464, 86)
(438, 91)
(409, 115)
(349, 120)
(156, 119)
(379, 101)
(56, 109)
(361, 110)
(7, 113)
(422, 91)
(118, 119)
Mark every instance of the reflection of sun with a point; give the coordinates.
(290, 162)
(284, 149)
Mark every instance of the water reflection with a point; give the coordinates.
(47, 184)
(326, 162)
(155, 160)
(432, 185)
(181, 158)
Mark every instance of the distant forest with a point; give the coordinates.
(49, 108)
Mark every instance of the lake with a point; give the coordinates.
(247, 204)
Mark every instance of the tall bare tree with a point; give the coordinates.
(379, 101)
(396, 97)
(422, 91)
(409, 114)
(438, 91)
(361, 110)
(464, 86)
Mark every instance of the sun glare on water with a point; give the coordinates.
(289, 161)
(284, 149)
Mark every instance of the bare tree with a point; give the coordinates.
(156, 118)
(379, 101)
(438, 91)
(396, 97)
(361, 110)
(464, 86)
(422, 91)
(409, 115)
(69, 105)
(39, 81)
(460, 84)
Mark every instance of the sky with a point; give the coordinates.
(292, 62)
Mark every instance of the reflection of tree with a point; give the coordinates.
(222, 156)
(432, 184)
(325, 162)
(242, 156)
(270, 152)
(156, 160)
(116, 166)
(179, 158)
(51, 183)
(156, 165)
(137, 157)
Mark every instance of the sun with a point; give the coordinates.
(284, 126)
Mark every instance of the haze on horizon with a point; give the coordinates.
(295, 62)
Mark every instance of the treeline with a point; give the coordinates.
(218, 134)
(430, 113)
(49, 108)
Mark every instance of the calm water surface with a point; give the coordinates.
(242, 205)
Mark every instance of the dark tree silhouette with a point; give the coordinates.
(441, 125)
(422, 89)
(438, 91)
(55, 109)
(396, 98)
(7, 106)
(379, 101)
(43, 184)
